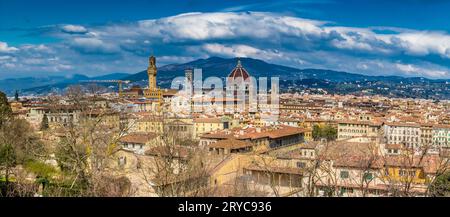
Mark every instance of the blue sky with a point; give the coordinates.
(375, 37)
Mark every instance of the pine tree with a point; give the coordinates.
(44, 122)
(5, 109)
(16, 96)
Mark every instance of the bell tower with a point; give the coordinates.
(151, 72)
(153, 92)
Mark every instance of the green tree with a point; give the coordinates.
(441, 186)
(17, 146)
(317, 132)
(324, 132)
(7, 162)
(329, 133)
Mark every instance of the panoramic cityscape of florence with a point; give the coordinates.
(224, 99)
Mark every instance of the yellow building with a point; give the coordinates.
(149, 124)
(308, 135)
(407, 169)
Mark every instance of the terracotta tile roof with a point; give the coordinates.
(272, 169)
(370, 123)
(352, 154)
(231, 144)
(169, 151)
(442, 126)
(394, 146)
(360, 161)
(207, 120)
(138, 138)
(445, 152)
(239, 72)
(402, 124)
(255, 132)
(169, 92)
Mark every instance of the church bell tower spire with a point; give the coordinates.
(151, 71)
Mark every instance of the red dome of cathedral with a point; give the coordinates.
(238, 72)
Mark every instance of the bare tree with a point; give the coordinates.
(177, 168)
(88, 142)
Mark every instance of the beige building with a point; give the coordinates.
(426, 136)
(206, 125)
(263, 139)
(354, 129)
(149, 124)
(139, 142)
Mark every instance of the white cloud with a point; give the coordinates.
(424, 43)
(206, 26)
(94, 45)
(5, 48)
(272, 37)
(419, 71)
(74, 29)
(240, 50)
(234, 50)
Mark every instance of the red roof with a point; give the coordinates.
(239, 72)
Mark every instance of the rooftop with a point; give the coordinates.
(138, 138)
(239, 72)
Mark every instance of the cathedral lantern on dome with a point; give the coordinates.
(239, 86)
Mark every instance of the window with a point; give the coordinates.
(368, 176)
(346, 190)
(122, 161)
(344, 174)
(301, 164)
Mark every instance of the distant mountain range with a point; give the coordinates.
(45, 84)
(220, 67)
(213, 66)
